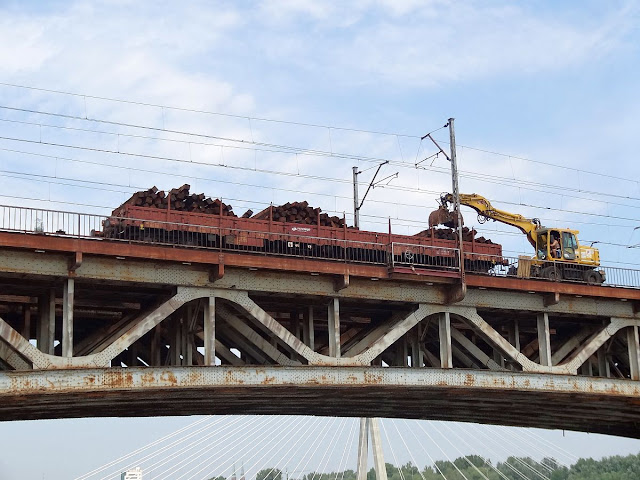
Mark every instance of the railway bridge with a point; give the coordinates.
(97, 327)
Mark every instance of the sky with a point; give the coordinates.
(276, 101)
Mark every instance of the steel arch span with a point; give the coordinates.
(597, 405)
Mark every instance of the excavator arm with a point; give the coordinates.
(485, 210)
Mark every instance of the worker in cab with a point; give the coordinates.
(554, 246)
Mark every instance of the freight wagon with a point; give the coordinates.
(313, 237)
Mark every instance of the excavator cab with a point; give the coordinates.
(556, 244)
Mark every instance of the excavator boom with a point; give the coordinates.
(485, 210)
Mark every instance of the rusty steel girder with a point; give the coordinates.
(596, 405)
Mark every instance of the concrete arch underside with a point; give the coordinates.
(597, 405)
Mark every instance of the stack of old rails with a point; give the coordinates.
(179, 199)
(299, 212)
(468, 235)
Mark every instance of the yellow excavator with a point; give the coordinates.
(558, 256)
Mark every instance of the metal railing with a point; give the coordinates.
(133, 230)
(526, 267)
(424, 256)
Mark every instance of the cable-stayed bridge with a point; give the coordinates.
(291, 447)
(92, 327)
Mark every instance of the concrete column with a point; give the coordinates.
(363, 449)
(334, 327)
(446, 356)
(634, 352)
(26, 321)
(210, 331)
(67, 318)
(376, 446)
(45, 334)
(544, 339)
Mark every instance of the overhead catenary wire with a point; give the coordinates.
(84, 96)
(300, 175)
(280, 189)
(504, 181)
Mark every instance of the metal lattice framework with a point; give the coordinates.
(87, 329)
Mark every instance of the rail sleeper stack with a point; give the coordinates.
(299, 212)
(179, 199)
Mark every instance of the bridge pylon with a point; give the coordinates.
(370, 426)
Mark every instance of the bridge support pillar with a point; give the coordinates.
(67, 318)
(634, 352)
(334, 327)
(210, 331)
(370, 426)
(544, 339)
(46, 322)
(446, 356)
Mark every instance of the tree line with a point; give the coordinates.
(475, 467)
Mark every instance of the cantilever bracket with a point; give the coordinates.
(217, 270)
(551, 299)
(75, 262)
(455, 293)
(341, 282)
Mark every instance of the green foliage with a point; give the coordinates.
(474, 467)
(269, 474)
